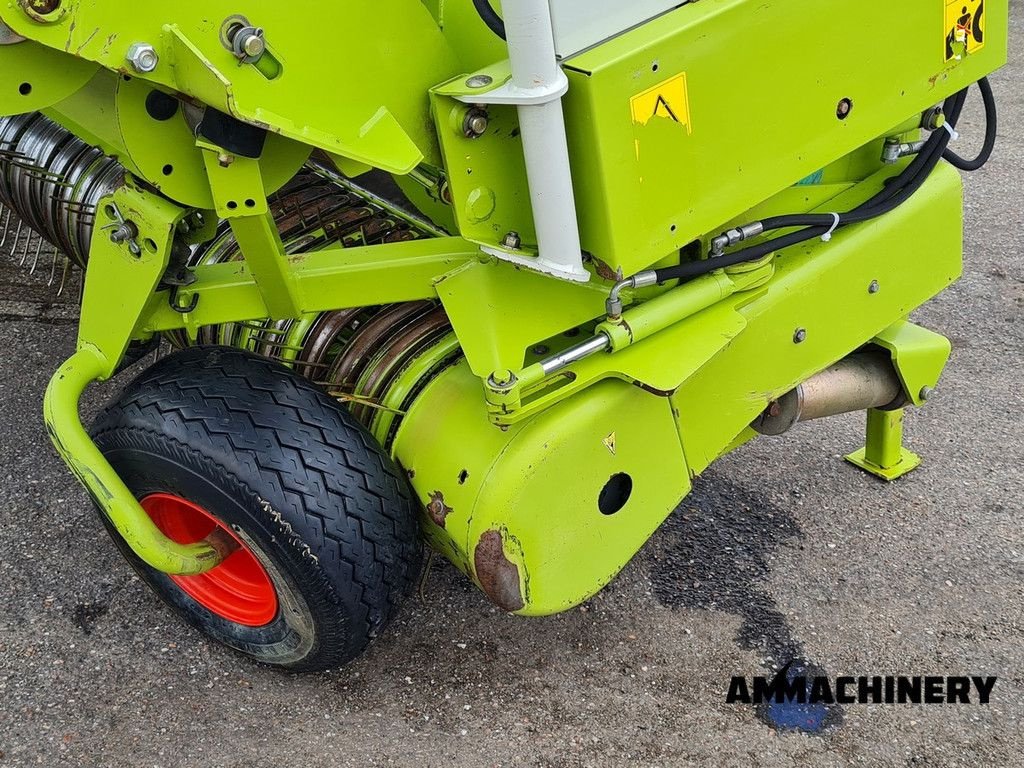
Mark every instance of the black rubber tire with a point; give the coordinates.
(304, 485)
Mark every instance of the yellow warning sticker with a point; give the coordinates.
(965, 28)
(669, 100)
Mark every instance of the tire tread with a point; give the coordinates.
(264, 427)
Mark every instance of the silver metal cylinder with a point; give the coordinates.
(861, 381)
(53, 180)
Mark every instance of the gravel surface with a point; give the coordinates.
(783, 551)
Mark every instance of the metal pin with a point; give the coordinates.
(17, 237)
(7, 227)
(35, 259)
(63, 277)
(53, 268)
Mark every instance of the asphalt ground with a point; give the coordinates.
(782, 552)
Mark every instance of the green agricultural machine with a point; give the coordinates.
(498, 280)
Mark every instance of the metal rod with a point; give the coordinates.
(593, 345)
(53, 268)
(535, 69)
(17, 237)
(122, 509)
(325, 172)
(35, 259)
(63, 276)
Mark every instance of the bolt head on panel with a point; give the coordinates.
(143, 57)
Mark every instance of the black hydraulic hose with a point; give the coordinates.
(991, 123)
(818, 226)
(692, 269)
(490, 17)
(899, 189)
(881, 202)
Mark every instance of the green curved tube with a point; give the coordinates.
(60, 410)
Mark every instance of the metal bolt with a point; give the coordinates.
(224, 160)
(927, 392)
(474, 125)
(123, 233)
(541, 349)
(253, 45)
(844, 108)
(243, 39)
(143, 57)
(512, 241)
(479, 81)
(800, 336)
(501, 379)
(874, 287)
(933, 119)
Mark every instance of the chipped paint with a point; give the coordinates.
(437, 509)
(497, 576)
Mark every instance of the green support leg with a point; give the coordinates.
(60, 409)
(118, 285)
(883, 454)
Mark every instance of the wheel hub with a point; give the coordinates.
(238, 589)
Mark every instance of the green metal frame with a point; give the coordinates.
(714, 353)
(513, 496)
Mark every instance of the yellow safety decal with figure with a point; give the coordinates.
(965, 28)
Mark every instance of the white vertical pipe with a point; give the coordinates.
(531, 47)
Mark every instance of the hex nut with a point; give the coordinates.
(143, 57)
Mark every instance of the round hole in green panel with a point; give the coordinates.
(615, 494)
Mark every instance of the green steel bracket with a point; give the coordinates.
(239, 197)
(382, 120)
(883, 454)
(486, 169)
(919, 356)
(34, 77)
(129, 255)
(676, 319)
(523, 308)
(327, 280)
(131, 246)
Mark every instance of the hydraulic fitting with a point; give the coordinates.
(735, 236)
(894, 149)
(613, 306)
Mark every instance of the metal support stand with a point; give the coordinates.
(537, 87)
(883, 454)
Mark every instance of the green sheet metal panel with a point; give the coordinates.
(686, 122)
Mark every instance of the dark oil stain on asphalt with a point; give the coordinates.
(85, 615)
(715, 552)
